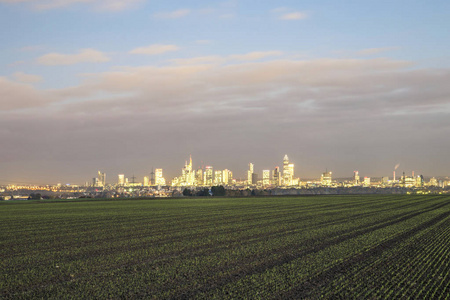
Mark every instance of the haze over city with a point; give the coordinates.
(124, 86)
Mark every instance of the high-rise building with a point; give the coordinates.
(146, 181)
(266, 177)
(276, 178)
(199, 177)
(366, 181)
(250, 174)
(159, 179)
(325, 179)
(218, 180)
(208, 176)
(288, 172)
(227, 176)
(356, 178)
(101, 182)
(121, 180)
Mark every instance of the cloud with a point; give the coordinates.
(213, 59)
(378, 108)
(373, 51)
(172, 14)
(84, 56)
(27, 78)
(256, 55)
(294, 16)
(15, 95)
(109, 5)
(154, 49)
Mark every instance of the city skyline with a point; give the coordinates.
(124, 86)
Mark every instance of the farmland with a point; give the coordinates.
(288, 247)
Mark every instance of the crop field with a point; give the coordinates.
(365, 247)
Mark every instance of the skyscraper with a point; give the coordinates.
(356, 178)
(325, 178)
(121, 180)
(276, 178)
(159, 179)
(266, 177)
(288, 171)
(208, 176)
(250, 174)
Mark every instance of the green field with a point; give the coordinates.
(365, 247)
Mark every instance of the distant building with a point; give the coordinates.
(366, 181)
(251, 176)
(266, 177)
(356, 180)
(276, 178)
(218, 180)
(325, 178)
(288, 172)
(146, 181)
(208, 176)
(227, 177)
(159, 179)
(121, 180)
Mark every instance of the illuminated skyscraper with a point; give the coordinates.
(356, 178)
(146, 180)
(199, 177)
(121, 180)
(325, 179)
(266, 177)
(250, 174)
(218, 180)
(288, 172)
(159, 179)
(276, 178)
(208, 176)
(101, 182)
(227, 176)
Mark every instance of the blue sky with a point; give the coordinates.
(263, 78)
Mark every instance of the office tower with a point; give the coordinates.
(356, 178)
(276, 178)
(121, 180)
(187, 175)
(288, 171)
(159, 179)
(208, 176)
(199, 177)
(266, 177)
(101, 182)
(227, 176)
(325, 178)
(366, 181)
(146, 180)
(218, 177)
(250, 174)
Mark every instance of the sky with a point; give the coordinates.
(124, 86)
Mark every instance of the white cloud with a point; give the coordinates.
(15, 95)
(172, 14)
(111, 5)
(255, 55)
(84, 56)
(294, 16)
(213, 59)
(154, 49)
(373, 51)
(27, 78)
